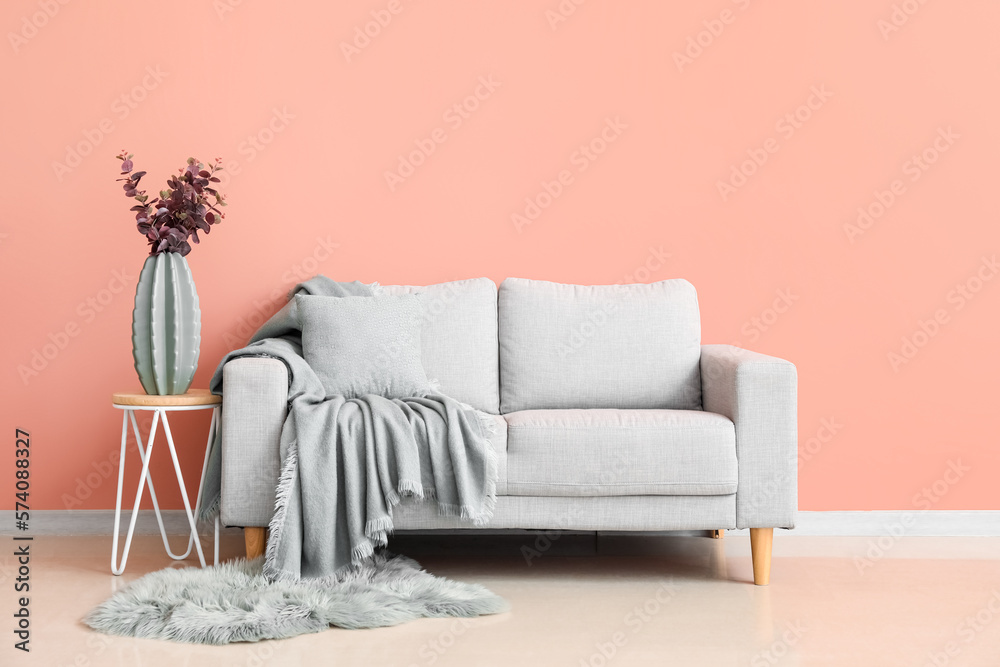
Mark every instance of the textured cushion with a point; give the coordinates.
(364, 345)
(459, 339)
(605, 346)
(620, 453)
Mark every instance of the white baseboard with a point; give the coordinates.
(929, 523)
(916, 523)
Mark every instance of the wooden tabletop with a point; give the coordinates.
(192, 397)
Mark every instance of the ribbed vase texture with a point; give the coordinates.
(166, 325)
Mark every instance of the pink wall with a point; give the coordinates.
(847, 105)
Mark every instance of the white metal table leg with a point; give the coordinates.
(184, 496)
(117, 569)
(212, 429)
(145, 455)
(152, 495)
(152, 492)
(118, 499)
(213, 426)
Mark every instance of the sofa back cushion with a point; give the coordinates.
(604, 346)
(458, 339)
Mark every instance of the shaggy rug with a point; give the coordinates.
(233, 602)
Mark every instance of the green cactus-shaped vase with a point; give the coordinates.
(166, 325)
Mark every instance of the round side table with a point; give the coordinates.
(194, 399)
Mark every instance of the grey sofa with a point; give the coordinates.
(611, 415)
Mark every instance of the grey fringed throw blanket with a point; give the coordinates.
(346, 462)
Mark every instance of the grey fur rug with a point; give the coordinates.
(233, 602)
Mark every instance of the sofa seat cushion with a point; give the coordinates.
(610, 452)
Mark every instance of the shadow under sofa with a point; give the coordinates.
(611, 415)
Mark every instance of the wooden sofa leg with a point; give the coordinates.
(760, 551)
(256, 541)
(718, 534)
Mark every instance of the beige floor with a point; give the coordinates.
(640, 600)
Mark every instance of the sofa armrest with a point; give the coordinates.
(759, 393)
(254, 395)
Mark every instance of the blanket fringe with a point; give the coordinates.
(288, 472)
(361, 552)
(408, 487)
(210, 512)
(488, 427)
(375, 528)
